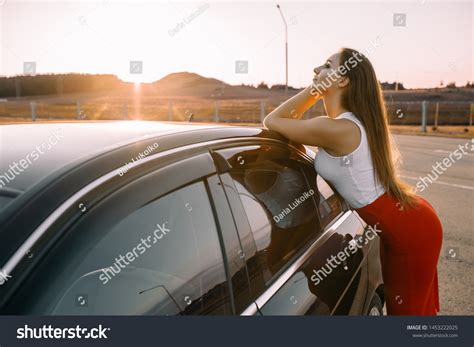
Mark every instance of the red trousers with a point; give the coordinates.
(409, 250)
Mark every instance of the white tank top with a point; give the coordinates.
(351, 175)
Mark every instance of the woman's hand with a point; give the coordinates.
(294, 107)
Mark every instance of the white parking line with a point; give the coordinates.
(434, 150)
(442, 183)
(443, 151)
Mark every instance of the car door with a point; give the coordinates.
(278, 203)
(345, 264)
(153, 246)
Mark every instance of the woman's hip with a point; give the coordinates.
(413, 227)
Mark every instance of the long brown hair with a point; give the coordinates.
(363, 97)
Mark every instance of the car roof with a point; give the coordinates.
(46, 147)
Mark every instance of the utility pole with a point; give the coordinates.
(286, 49)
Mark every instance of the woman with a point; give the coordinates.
(355, 155)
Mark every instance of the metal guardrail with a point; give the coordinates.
(225, 110)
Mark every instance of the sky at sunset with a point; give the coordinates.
(418, 43)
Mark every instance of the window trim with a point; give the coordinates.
(259, 141)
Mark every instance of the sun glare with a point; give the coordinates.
(136, 86)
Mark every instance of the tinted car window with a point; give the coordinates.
(163, 258)
(329, 204)
(278, 201)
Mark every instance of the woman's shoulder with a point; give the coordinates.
(348, 114)
(351, 116)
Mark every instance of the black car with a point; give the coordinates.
(162, 218)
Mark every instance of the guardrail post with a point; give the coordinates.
(3, 106)
(170, 111)
(17, 87)
(78, 109)
(125, 109)
(424, 111)
(33, 111)
(470, 115)
(262, 110)
(59, 84)
(216, 111)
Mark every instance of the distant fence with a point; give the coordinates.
(431, 113)
(421, 113)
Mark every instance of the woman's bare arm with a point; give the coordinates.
(332, 134)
